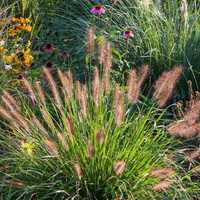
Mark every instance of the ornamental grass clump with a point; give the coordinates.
(188, 125)
(76, 141)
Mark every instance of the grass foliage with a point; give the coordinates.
(92, 139)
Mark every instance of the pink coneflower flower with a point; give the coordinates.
(48, 48)
(128, 34)
(98, 10)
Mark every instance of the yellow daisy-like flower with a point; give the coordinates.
(28, 148)
(24, 20)
(20, 24)
(9, 59)
(28, 28)
(21, 20)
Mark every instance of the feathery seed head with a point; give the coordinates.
(118, 106)
(119, 167)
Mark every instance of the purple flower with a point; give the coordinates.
(98, 10)
(48, 48)
(128, 34)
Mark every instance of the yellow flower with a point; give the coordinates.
(9, 59)
(2, 49)
(12, 32)
(29, 43)
(24, 20)
(23, 28)
(20, 24)
(21, 20)
(28, 28)
(28, 58)
(15, 20)
(27, 147)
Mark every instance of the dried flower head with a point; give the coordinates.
(63, 141)
(162, 173)
(133, 88)
(193, 114)
(53, 87)
(194, 155)
(100, 137)
(27, 86)
(78, 170)
(70, 126)
(166, 84)
(90, 150)
(40, 92)
(196, 170)
(96, 86)
(135, 82)
(119, 167)
(162, 186)
(118, 106)
(16, 184)
(107, 64)
(108, 57)
(91, 41)
(51, 147)
(101, 49)
(6, 114)
(183, 129)
(142, 74)
(10, 102)
(67, 84)
(81, 95)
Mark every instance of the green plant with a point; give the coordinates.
(165, 33)
(86, 142)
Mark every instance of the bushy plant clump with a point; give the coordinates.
(63, 138)
(84, 141)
